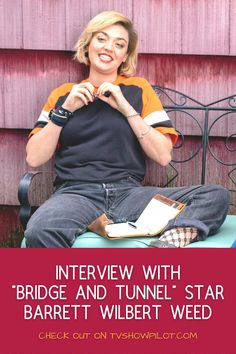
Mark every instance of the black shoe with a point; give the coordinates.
(161, 244)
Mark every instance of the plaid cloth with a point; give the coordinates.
(180, 236)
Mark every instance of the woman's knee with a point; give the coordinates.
(36, 233)
(220, 197)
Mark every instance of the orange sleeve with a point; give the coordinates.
(172, 133)
(52, 100)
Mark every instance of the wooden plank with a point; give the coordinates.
(75, 24)
(159, 25)
(13, 166)
(29, 78)
(205, 27)
(205, 78)
(44, 24)
(2, 107)
(123, 6)
(222, 156)
(77, 71)
(232, 27)
(188, 174)
(10, 24)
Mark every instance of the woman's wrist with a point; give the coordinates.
(133, 115)
(60, 116)
(68, 107)
(129, 112)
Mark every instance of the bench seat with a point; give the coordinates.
(223, 239)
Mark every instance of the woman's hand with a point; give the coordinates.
(79, 96)
(116, 99)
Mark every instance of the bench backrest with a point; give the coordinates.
(206, 149)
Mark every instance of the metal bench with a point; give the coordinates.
(205, 153)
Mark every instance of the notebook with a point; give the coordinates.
(154, 218)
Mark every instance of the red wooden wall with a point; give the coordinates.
(188, 45)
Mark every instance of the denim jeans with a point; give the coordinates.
(72, 207)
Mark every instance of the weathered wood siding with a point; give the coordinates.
(165, 26)
(206, 27)
(232, 36)
(159, 26)
(187, 45)
(11, 30)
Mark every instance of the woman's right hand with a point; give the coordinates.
(79, 96)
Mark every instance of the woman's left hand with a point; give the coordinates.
(116, 99)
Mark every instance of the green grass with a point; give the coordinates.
(14, 239)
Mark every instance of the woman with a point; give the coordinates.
(101, 129)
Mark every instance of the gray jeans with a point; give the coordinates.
(69, 211)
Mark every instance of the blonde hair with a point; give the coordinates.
(98, 23)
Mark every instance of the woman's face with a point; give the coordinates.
(108, 49)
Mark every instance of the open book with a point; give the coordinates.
(151, 222)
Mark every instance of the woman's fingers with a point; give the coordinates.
(82, 97)
(84, 91)
(107, 87)
(115, 99)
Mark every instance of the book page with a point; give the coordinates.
(152, 220)
(125, 229)
(156, 215)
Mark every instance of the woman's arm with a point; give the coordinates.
(157, 146)
(42, 145)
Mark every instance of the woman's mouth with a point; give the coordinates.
(105, 58)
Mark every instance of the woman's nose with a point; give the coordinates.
(108, 45)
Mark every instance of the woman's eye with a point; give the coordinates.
(120, 45)
(100, 39)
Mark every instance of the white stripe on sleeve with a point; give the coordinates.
(156, 117)
(43, 117)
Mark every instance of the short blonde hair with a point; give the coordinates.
(98, 23)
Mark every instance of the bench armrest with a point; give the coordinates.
(23, 196)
